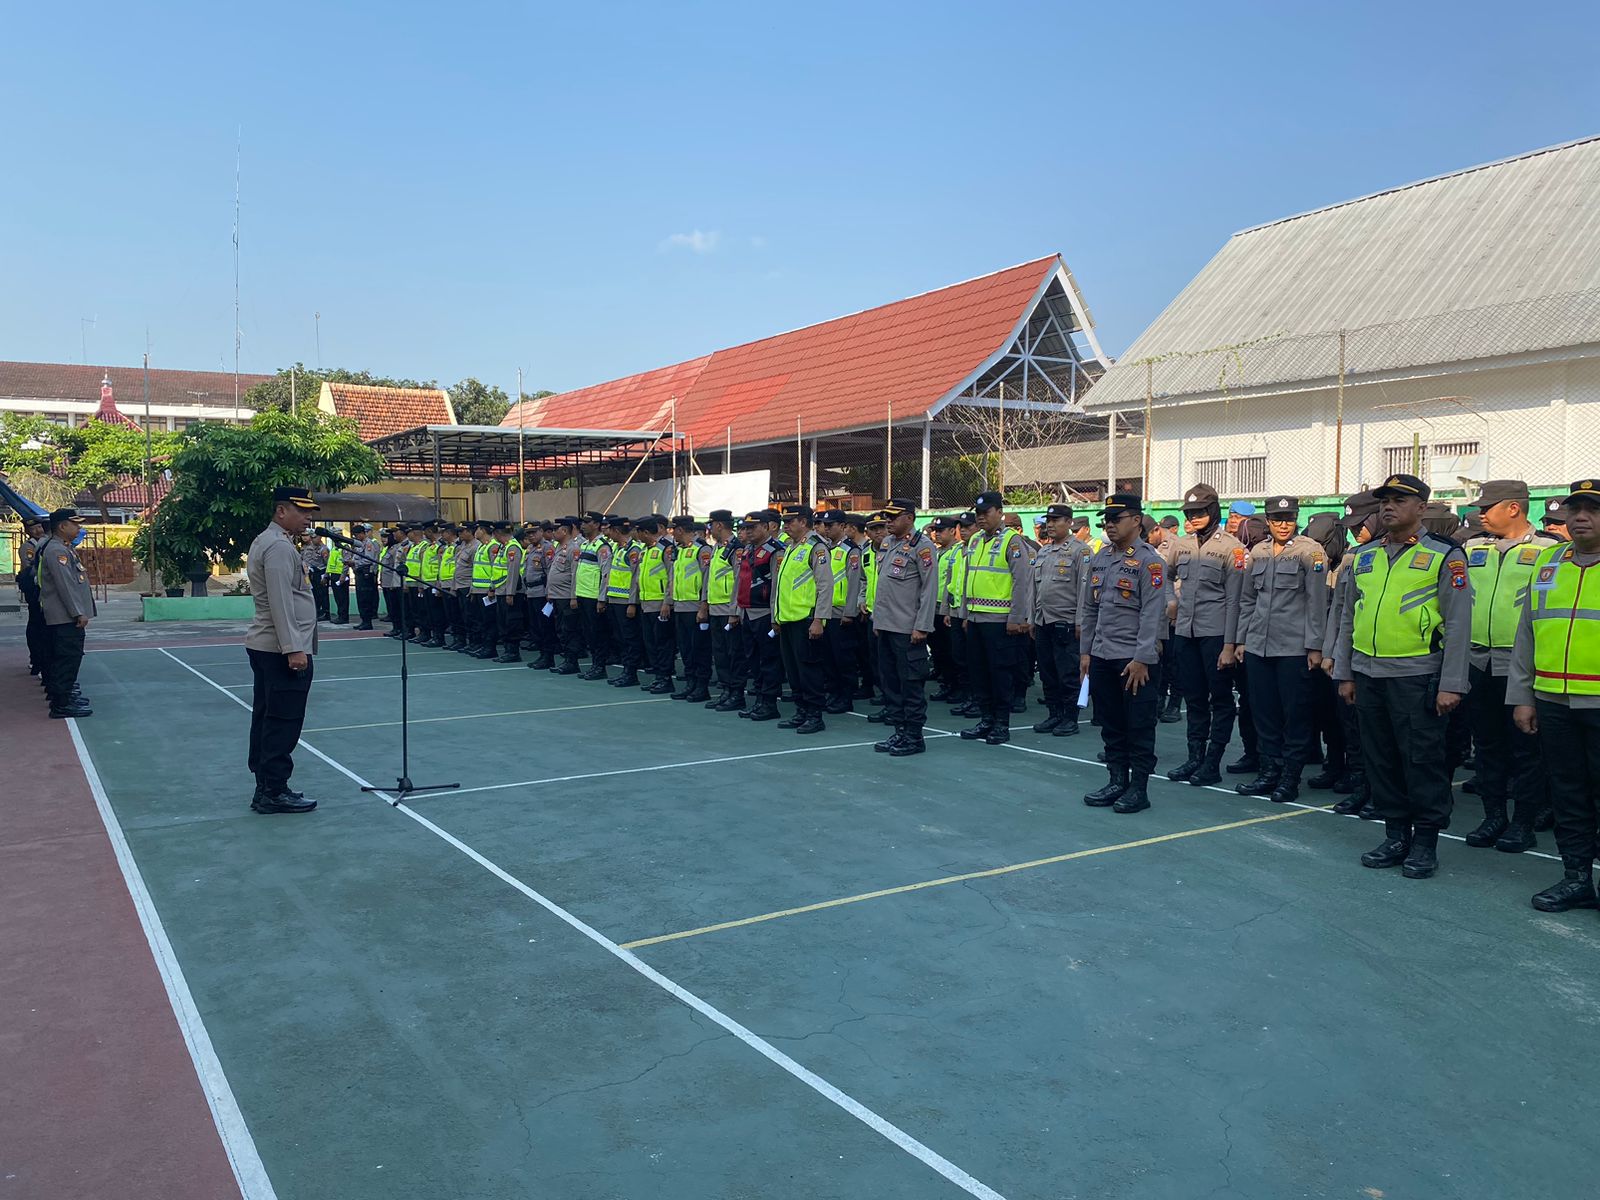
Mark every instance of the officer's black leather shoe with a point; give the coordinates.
(793, 722)
(365, 625)
(1051, 723)
(1423, 860)
(699, 695)
(1105, 797)
(999, 734)
(910, 743)
(812, 724)
(282, 802)
(1489, 831)
(393, 633)
(1067, 728)
(1288, 789)
(1349, 806)
(729, 701)
(566, 668)
(62, 711)
(1392, 851)
(878, 718)
(434, 644)
(1576, 890)
(486, 653)
(1185, 770)
(888, 743)
(544, 662)
(1263, 784)
(765, 710)
(1247, 762)
(1517, 839)
(593, 674)
(627, 679)
(978, 732)
(513, 657)
(1324, 779)
(1136, 798)
(660, 687)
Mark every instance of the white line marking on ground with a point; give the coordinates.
(760, 1045)
(243, 1156)
(515, 712)
(362, 678)
(219, 645)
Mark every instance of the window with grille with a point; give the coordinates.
(1402, 460)
(1212, 471)
(1457, 449)
(1250, 476)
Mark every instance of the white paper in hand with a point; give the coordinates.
(548, 609)
(1083, 693)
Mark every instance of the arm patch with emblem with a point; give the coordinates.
(1155, 574)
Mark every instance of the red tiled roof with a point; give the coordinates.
(380, 411)
(128, 494)
(841, 374)
(69, 381)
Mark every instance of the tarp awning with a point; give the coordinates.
(374, 506)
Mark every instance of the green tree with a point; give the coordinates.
(222, 481)
(97, 457)
(477, 403)
(302, 385)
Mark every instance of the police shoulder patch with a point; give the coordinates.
(926, 556)
(1458, 574)
(705, 556)
(1239, 556)
(633, 558)
(1155, 573)
(62, 559)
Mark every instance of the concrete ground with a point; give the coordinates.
(649, 951)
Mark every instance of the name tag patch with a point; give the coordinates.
(1527, 556)
(1422, 560)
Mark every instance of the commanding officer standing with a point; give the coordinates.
(754, 594)
(67, 602)
(1059, 572)
(1123, 618)
(366, 571)
(691, 617)
(802, 586)
(902, 619)
(1554, 686)
(280, 643)
(997, 610)
(1501, 564)
(1208, 572)
(1405, 632)
(1282, 615)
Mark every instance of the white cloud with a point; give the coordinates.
(698, 242)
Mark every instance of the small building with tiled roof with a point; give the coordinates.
(380, 411)
(1020, 339)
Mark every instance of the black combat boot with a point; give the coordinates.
(1210, 769)
(1576, 889)
(661, 687)
(1392, 851)
(812, 724)
(699, 694)
(1135, 798)
(732, 701)
(1052, 721)
(568, 667)
(1264, 783)
(1000, 731)
(1494, 824)
(1019, 703)
(544, 662)
(1350, 805)
(1545, 820)
(1332, 771)
(1170, 715)
(1423, 860)
(1246, 763)
(1185, 770)
(764, 710)
(1106, 796)
(513, 655)
(978, 732)
(1519, 836)
(890, 742)
(795, 721)
(910, 742)
(1069, 722)
(1288, 789)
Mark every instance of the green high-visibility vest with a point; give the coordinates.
(869, 577)
(1397, 604)
(586, 579)
(653, 573)
(687, 574)
(1564, 604)
(414, 563)
(482, 567)
(430, 564)
(797, 587)
(988, 572)
(839, 555)
(498, 571)
(335, 561)
(719, 588)
(620, 582)
(1499, 589)
(954, 568)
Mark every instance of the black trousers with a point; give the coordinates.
(416, 610)
(660, 643)
(1403, 745)
(569, 631)
(38, 635)
(1570, 739)
(866, 657)
(339, 592)
(903, 669)
(541, 628)
(802, 663)
(391, 605)
(444, 612)
(596, 632)
(472, 619)
(764, 656)
(1280, 687)
(508, 616)
(66, 656)
(626, 636)
(1127, 721)
(727, 646)
(1169, 670)
(1509, 765)
(366, 599)
(842, 665)
(1332, 718)
(1207, 691)
(319, 593)
(1056, 647)
(1247, 712)
(992, 656)
(694, 644)
(277, 713)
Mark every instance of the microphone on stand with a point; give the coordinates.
(337, 539)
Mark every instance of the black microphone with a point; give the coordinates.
(337, 539)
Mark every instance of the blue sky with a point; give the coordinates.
(589, 190)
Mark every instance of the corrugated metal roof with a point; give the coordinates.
(1512, 233)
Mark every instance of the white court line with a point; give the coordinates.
(515, 712)
(760, 1045)
(1227, 791)
(222, 645)
(395, 675)
(240, 1147)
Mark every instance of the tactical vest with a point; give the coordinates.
(653, 573)
(619, 583)
(335, 561)
(1499, 588)
(761, 573)
(954, 566)
(719, 588)
(797, 586)
(586, 579)
(498, 571)
(839, 555)
(686, 574)
(869, 576)
(414, 563)
(1397, 604)
(482, 568)
(988, 572)
(430, 564)
(1564, 604)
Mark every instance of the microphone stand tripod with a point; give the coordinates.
(403, 785)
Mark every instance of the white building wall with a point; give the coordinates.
(1539, 422)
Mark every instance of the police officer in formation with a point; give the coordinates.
(66, 605)
(1060, 572)
(996, 612)
(902, 618)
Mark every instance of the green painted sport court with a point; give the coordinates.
(648, 951)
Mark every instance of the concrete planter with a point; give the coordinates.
(199, 608)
